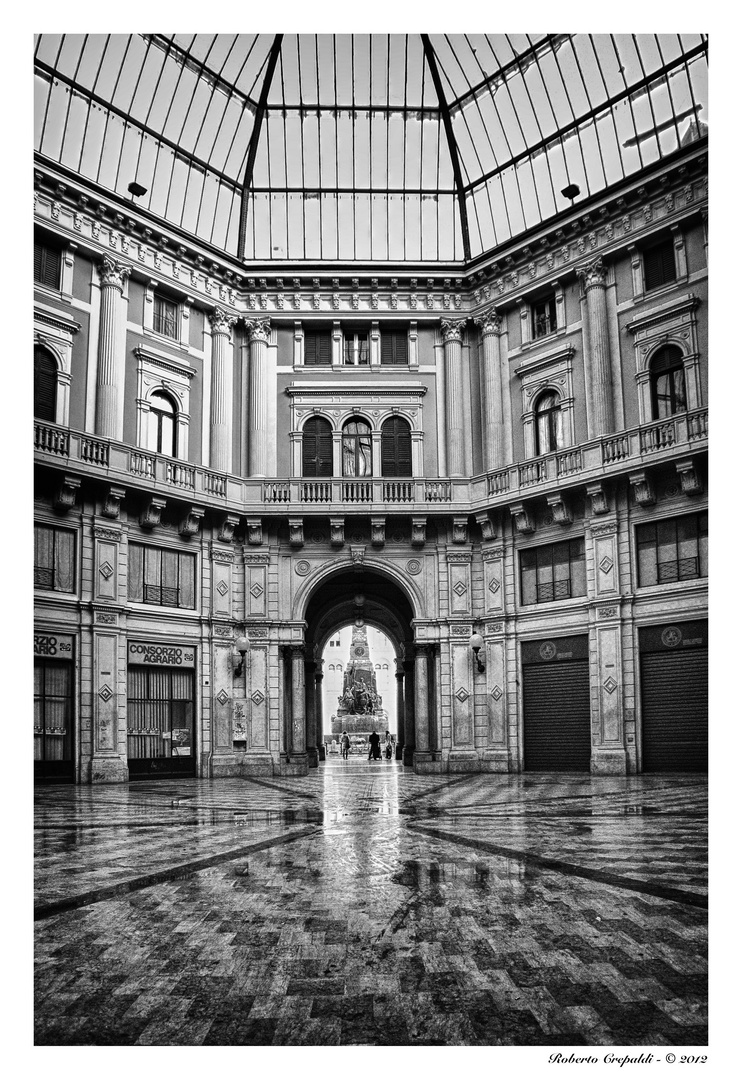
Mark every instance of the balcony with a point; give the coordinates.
(609, 455)
(135, 469)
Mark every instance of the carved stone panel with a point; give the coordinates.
(459, 587)
(106, 576)
(224, 659)
(494, 571)
(256, 589)
(462, 699)
(496, 694)
(610, 692)
(221, 585)
(105, 692)
(257, 697)
(606, 563)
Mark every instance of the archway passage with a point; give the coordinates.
(359, 689)
(351, 597)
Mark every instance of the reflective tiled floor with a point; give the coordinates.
(364, 904)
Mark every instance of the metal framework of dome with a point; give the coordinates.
(383, 148)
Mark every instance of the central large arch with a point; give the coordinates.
(338, 599)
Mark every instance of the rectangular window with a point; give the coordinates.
(355, 345)
(47, 265)
(54, 558)
(317, 348)
(165, 317)
(543, 314)
(672, 550)
(659, 265)
(553, 572)
(394, 347)
(162, 577)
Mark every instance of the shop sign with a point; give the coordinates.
(141, 652)
(59, 645)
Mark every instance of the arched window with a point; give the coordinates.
(44, 385)
(396, 447)
(316, 447)
(667, 380)
(548, 423)
(162, 425)
(357, 448)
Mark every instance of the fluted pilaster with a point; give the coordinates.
(298, 716)
(490, 324)
(452, 335)
(593, 279)
(422, 733)
(220, 417)
(109, 413)
(257, 446)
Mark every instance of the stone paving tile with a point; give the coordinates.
(352, 926)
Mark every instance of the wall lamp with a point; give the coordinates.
(241, 647)
(476, 642)
(136, 189)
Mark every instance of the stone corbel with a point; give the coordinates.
(690, 481)
(149, 517)
(559, 508)
(598, 494)
(112, 501)
(487, 525)
(378, 532)
(418, 531)
(643, 489)
(522, 517)
(296, 532)
(337, 532)
(460, 534)
(226, 528)
(66, 493)
(254, 531)
(191, 522)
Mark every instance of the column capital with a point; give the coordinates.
(489, 321)
(221, 321)
(593, 273)
(453, 329)
(112, 272)
(258, 330)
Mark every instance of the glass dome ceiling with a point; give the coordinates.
(367, 147)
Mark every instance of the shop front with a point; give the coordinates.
(54, 713)
(160, 710)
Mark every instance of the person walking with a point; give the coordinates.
(345, 745)
(374, 747)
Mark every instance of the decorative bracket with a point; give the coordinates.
(460, 530)
(191, 522)
(66, 493)
(643, 488)
(418, 531)
(559, 508)
(690, 481)
(522, 517)
(296, 532)
(598, 493)
(378, 531)
(486, 524)
(227, 527)
(254, 531)
(337, 532)
(112, 501)
(149, 518)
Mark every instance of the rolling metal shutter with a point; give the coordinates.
(556, 709)
(674, 685)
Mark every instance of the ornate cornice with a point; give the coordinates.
(162, 360)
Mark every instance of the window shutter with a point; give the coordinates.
(394, 347)
(659, 265)
(317, 347)
(46, 266)
(396, 448)
(317, 448)
(44, 386)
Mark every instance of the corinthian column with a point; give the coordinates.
(452, 331)
(593, 279)
(109, 413)
(490, 324)
(257, 439)
(220, 417)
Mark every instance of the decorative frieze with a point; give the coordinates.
(222, 555)
(490, 554)
(607, 528)
(458, 556)
(100, 532)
